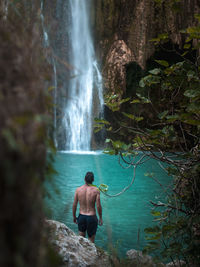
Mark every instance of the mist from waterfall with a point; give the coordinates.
(85, 83)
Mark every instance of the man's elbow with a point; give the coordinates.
(74, 206)
(99, 208)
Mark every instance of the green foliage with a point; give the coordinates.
(164, 124)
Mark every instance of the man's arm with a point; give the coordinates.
(75, 206)
(99, 208)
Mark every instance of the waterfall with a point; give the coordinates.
(5, 4)
(85, 83)
(55, 104)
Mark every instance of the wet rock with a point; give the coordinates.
(75, 250)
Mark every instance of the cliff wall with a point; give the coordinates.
(124, 29)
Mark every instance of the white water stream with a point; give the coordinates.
(5, 4)
(85, 79)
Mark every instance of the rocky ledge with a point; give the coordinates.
(77, 251)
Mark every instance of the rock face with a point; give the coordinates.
(131, 25)
(75, 251)
(117, 58)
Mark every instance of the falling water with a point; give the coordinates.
(85, 83)
(5, 4)
(45, 34)
(55, 103)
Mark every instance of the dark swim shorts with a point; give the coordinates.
(89, 223)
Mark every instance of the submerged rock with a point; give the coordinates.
(75, 250)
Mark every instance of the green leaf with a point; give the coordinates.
(194, 107)
(152, 230)
(117, 144)
(185, 53)
(103, 187)
(158, 1)
(124, 100)
(163, 114)
(144, 99)
(187, 46)
(101, 121)
(188, 39)
(172, 118)
(163, 36)
(109, 152)
(155, 71)
(155, 213)
(131, 116)
(155, 133)
(162, 63)
(8, 135)
(192, 122)
(169, 230)
(98, 128)
(197, 16)
(192, 93)
(192, 75)
(155, 237)
(160, 37)
(142, 83)
(134, 101)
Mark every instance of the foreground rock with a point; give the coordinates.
(178, 264)
(138, 259)
(75, 250)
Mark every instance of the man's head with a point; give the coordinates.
(89, 177)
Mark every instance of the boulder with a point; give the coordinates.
(75, 250)
(138, 259)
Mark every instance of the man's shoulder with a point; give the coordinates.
(95, 189)
(80, 188)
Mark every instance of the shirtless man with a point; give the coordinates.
(87, 196)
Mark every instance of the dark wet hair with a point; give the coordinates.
(89, 177)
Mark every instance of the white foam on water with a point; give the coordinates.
(81, 152)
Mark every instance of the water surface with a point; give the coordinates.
(126, 216)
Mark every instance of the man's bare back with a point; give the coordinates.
(87, 196)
